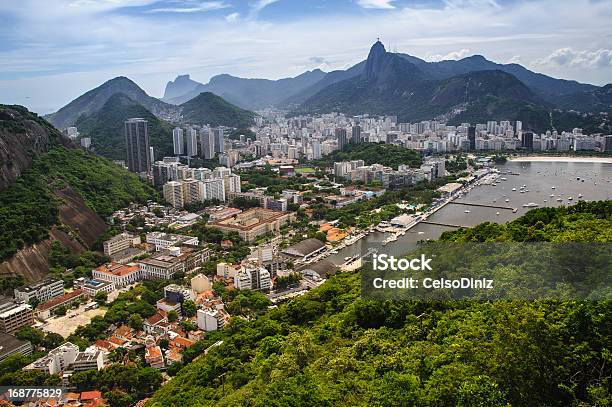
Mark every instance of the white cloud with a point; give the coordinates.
(192, 7)
(259, 5)
(45, 43)
(567, 56)
(230, 18)
(454, 4)
(382, 4)
(453, 55)
(516, 59)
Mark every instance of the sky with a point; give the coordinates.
(52, 51)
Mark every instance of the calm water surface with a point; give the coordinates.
(538, 177)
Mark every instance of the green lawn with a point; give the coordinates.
(305, 170)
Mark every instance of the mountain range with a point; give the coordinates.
(246, 93)
(414, 89)
(212, 110)
(101, 112)
(472, 89)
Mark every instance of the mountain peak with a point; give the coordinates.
(375, 60)
(181, 85)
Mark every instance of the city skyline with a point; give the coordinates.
(47, 61)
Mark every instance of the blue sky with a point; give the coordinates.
(51, 51)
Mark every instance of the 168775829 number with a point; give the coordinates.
(30, 393)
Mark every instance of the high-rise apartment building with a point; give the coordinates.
(137, 145)
(341, 137)
(356, 134)
(177, 141)
(219, 140)
(472, 137)
(207, 144)
(173, 194)
(192, 142)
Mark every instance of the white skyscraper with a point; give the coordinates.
(207, 144)
(192, 142)
(177, 140)
(316, 149)
(219, 140)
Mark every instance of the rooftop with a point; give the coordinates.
(304, 248)
(8, 343)
(36, 286)
(117, 269)
(323, 268)
(59, 300)
(250, 219)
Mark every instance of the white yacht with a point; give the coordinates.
(507, 200)
(530, 205)
(466, 211)
(580, 196)
(514, 189)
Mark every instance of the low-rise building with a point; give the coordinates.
(93, 287)
(120, 242)
(167, 306)
(9, 346)
(67, 357)
(154, 357)
(228, 271)
(201, 283)
(304, 250)
(42, 291)
(119, 274)
(211, 319)
(45, 310)
(176, 293)
(156, 324)
(254, 222)
(163, 241)
(13, 315)
(253, 278)
(177, 259)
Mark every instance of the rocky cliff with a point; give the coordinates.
(23, 136)
(78, 230)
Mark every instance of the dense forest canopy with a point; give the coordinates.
(29, 207)
(332, 347)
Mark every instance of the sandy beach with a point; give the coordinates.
(605, 160)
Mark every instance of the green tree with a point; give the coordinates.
(28, 333)
(135, 322)
(118, 398)
(189, 308)
(101, 297)
(173, 316)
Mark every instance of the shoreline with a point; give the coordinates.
(561, 159)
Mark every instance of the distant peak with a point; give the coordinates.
(375, 60)
(378, 47)
(182, 77)
(476, 58)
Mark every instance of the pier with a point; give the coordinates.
(426, 222)
(508, 208)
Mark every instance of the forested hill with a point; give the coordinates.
(389, 155)
(32, 205)
(23, 136)
(331, 347)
